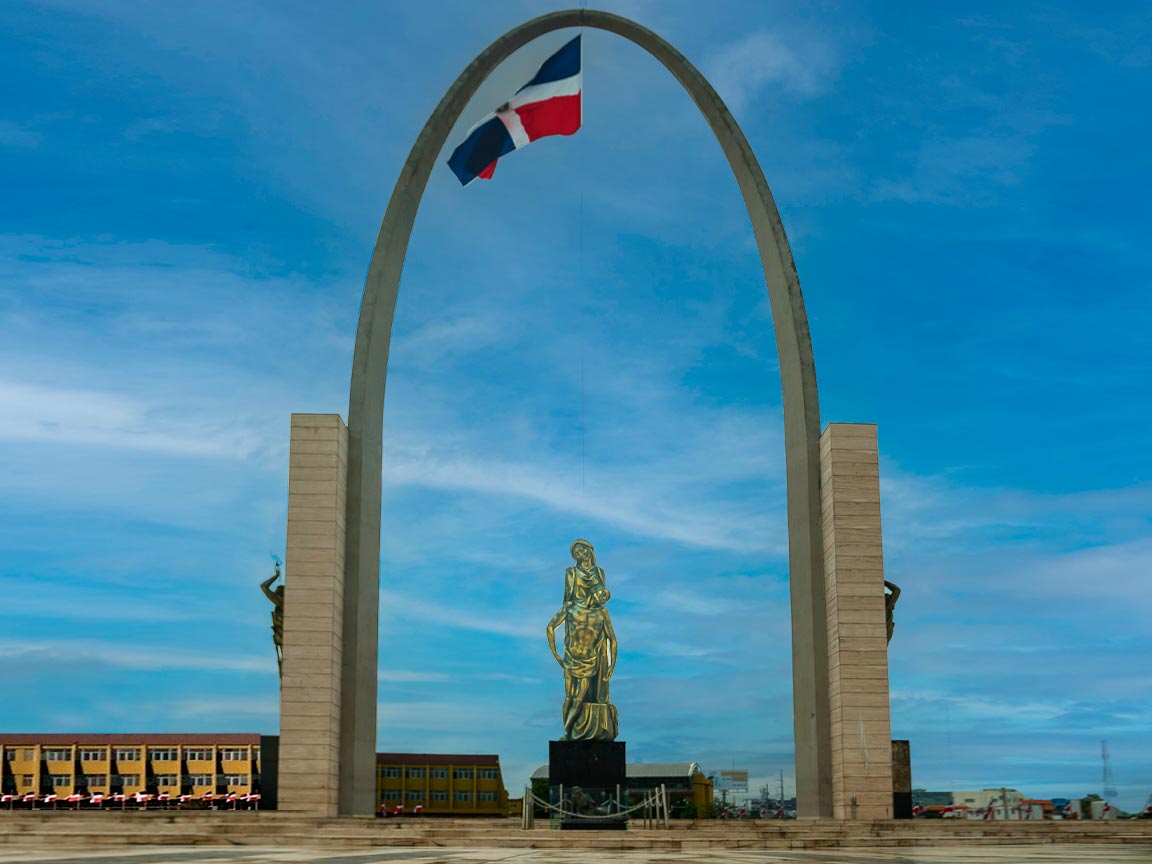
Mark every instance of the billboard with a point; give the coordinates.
(734, 780)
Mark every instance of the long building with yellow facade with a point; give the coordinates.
(200, 765)
(131, 763)
(441, 784)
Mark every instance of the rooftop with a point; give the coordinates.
(26, 739)
(437, 759)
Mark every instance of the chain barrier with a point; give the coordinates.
(656, 801)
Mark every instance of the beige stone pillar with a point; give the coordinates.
(857, 632)
(313, 615)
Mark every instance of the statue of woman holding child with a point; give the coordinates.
(589, 649)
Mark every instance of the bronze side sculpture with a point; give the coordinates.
(276, 595)
(891, 595)
(589, 649)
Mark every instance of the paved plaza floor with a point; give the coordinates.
(1071, 853)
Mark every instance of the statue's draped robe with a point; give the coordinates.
(588, 715)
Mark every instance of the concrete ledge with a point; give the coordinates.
(48, 830)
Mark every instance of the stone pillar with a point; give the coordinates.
(857, 631)
(313, 616)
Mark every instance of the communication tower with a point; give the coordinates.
(1108, 781)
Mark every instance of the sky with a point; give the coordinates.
(189, 196)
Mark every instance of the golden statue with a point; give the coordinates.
(276, 595)
(589, 649)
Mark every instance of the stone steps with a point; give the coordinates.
(286, 830)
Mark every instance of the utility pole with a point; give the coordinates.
(781, 787)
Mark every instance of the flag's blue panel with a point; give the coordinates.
(487, 143)
(563, 64)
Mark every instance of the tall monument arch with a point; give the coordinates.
(361, 596)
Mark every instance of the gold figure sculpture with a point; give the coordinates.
(589, 649)
(891, 595)
(276, 595)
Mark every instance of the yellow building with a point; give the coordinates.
(200, 764)
(440, 784)
(173, 765)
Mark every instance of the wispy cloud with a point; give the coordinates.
(23, 658)
(800, 63)
(16, 136)
(651, 509)
(57, 415)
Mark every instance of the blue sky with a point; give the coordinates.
(188, 200)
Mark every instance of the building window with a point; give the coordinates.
(235, 754)
(58, 755)
(235, 779)
(389, 771)
(95, 779)
(461, 773)
(127, 754)
(129, 779)
(415, 773)
(166, 780)
(200, 779)
(29, 754)
(391, 794)
(28, 778)
(10, 753)
(58, 780)
(438, 795)
(489, 773)
(93, 754)
(163, 754)
(255, 752)
(439, 773)
(463, 796)
(192, 754)
(415, 795)
(487, 796)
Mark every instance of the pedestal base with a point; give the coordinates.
(599, 769)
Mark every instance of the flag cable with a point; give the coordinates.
(580, 266)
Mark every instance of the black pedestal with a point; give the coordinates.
(597, 767)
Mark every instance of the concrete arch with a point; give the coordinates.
(366, 418)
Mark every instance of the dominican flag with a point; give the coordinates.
(549, 104)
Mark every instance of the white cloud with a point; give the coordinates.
(796, 62)
(213, 707)
(128, 655)
(17, 136)
(61, 415)
(648, 509)
(960, 170)
(413, 606)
